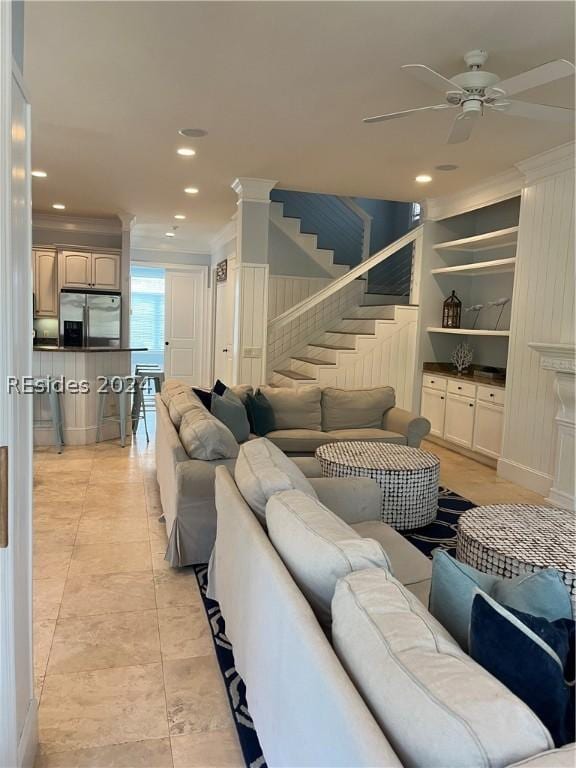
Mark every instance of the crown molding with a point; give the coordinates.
(109, 226)
(226, 234)
(550, 163)
(487, 192)
(170, 251)
(253, 190)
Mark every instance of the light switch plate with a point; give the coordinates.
(253, 352)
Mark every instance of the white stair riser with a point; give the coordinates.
(383, 313)
(359, 326)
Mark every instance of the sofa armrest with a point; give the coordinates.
(415, 428)
(309, 466)
(354, 499)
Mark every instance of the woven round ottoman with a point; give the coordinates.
(510, 539)
(408, 477)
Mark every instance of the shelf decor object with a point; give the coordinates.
(475, 308)
(462, 355)
(222, 271)
(452, 311)
(498, 303)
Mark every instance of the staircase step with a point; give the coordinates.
(332, 346)
(312, 360)
(353, 333)
(289, 374)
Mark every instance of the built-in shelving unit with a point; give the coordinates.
(485, 242)
(468, 331)
(493, 267)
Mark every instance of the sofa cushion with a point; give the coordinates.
(295, 408)
(355, 408)
(172, 387)
(263, 470)
(378, 435)
(260, 414)
(181, 403)
(565, 757)
(242, 391)
(437, 707)
(317, 547)
(205, 437)
(230, 410)
(298, 440)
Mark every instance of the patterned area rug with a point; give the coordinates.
(440, 533)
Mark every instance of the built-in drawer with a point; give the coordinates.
(434, 382)
(491, 395)
(461, 388)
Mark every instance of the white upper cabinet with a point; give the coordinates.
(80, 269)
(45, 284)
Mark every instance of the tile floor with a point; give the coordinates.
(126, 673)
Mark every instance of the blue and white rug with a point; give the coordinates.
(440, 533)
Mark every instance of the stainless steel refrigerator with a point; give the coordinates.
(90, 319)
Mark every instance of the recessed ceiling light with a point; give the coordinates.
(423, 178)
(191, 191)
(170, 234)
(193, 133)
(179, 216)
(186, 152)
(39, 174)
(446, 167)
(59, 206)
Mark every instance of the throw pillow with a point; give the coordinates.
(454, 585)
(533, 657)
(219, 387)
(355, 408)
(260, 414)
(205, 437)
(231, 411)
(204, 395)
(181, 404)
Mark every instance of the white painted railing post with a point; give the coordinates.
(416, 277)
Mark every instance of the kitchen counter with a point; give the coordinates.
(447, 370)
(52, 348)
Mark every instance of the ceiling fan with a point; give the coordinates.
(476, 90)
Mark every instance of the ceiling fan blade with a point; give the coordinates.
(532, 78)
(431, 77)
(462, 128)
(534, 111)
(405, 113)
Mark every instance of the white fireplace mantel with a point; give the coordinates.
(561, 358)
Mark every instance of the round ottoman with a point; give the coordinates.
(511, 539)
(408, 477)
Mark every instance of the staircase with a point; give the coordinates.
(373, 345)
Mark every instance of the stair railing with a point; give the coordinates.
(366, 220)
(414, 236)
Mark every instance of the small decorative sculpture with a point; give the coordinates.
(499, 303)
(451, 311)
(462, 356)
(475, 308)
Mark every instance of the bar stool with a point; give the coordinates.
(120, 387)
(144, 373)
(42, 386)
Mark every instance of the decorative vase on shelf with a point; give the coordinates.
(452, 311)
(462, 357)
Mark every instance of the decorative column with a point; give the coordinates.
(251, 286)
(561, 358)
(127, 220)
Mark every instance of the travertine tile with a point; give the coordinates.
(208, 749)
(108, 640)
(184, 632)
(127, 473)
(159, 562)
(51, 515)
(195, 696)
(108, 593)
(54, 537)
(110, 558)
(42, 634)
(47, 595)
(96, 530)
(176, 587)
(51, 561)
(47, 476)
(114, 494)
(152, 753)
(106, 706)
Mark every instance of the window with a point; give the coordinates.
(147, 315)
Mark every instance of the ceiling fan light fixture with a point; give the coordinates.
(192, 133)
(446, 167)
(423, 178)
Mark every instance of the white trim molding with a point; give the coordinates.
(539, 482)
(549, 163)
(253, 190)
(109, 226)
(486, 192)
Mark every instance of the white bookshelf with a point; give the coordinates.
(499, 238)
(468, 331)
(494, 267)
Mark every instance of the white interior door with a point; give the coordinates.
(18, 729)
(224, 331)
(186, 325)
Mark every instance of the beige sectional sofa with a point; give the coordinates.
(382, 685)
(191, 444)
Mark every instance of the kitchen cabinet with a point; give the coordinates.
(433, 408)
(488, 428)
(459, 420)
(45, 283)
(81, 269)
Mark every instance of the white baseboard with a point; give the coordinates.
(29, 739)
(539, 482)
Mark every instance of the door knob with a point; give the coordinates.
(167, 343)
(225, 349)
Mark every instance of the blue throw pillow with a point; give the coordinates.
(230, 410)
(454, 585)
(260, 414)
(532, 657)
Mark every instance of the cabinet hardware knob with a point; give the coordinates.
(491, 394)
(459, 387)
(471, 405)
(441, 397)
(432, 381)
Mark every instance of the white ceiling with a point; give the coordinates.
(281, 89)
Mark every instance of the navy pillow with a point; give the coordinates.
(204, 395)
(260, 414)
(219, 388)
(532, 657)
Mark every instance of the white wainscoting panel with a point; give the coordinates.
(286, 291)
(252, 328)
(542, 310)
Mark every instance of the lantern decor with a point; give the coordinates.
(452, 311)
